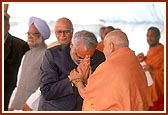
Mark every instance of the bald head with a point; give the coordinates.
(114, 40)
(118, 38)
(63, 30)
(63, 22)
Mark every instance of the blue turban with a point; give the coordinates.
(41, 25)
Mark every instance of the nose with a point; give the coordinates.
(149, 38)
(29, 36)
(62, 33)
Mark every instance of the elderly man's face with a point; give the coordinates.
(34, 37)
(79, 53)
(63, 31)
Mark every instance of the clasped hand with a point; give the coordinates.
(82, 72)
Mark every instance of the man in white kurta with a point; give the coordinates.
(26, 94)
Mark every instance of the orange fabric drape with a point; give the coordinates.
(119, 83)
(155, 58)
(100, 46)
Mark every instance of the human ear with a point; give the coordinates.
(111, 47)
(71, 45)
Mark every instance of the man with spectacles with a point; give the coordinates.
(63, 31)
(32, 34)
(25, 96)
(58, 93)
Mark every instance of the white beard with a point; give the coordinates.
(35, 43)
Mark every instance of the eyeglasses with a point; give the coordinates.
(63, 31)
(32, 33)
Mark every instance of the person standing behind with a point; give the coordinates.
(63, 31)
(101, 32)
(100, 44)
(123, 87)
(155, 63)
(58, 94)
(104, 31)
(14, 49)
(29, 71)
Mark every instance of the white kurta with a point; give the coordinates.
(27, 89)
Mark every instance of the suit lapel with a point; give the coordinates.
(7, 47)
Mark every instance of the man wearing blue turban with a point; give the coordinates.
(29, 71)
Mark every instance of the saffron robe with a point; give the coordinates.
(100, 46)
(118, 84)
(155, 58)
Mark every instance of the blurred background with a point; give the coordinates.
(134, 18)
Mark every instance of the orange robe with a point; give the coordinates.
(155, 58)
(100, 46)
(118, 84)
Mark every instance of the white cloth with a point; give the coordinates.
(33, 100)
(147, 73)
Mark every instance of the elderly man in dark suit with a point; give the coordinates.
(14, 49)
(58, 92)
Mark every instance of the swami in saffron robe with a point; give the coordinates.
(155, 58)
(118, 84)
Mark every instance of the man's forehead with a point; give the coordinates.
(62, 26)
(83, 51)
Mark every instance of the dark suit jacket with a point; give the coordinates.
(14, 49)
(57, 92)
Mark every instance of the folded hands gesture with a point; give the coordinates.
(82, 72)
